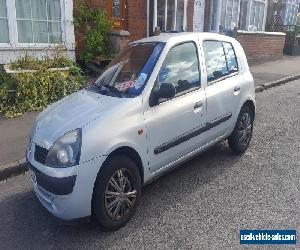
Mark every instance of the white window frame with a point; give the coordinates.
(67, 28)
(155, 14)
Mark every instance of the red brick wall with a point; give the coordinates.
(261, 45)
(98, 4)
(79, 38)
(137, 18)
(206, 15)
(190, 15)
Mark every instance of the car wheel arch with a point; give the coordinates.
(251, 105)
(132, 154)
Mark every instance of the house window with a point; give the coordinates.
(170, 15)
(257, 14)
(227, 14)
(4, 37)
(38, 21)
(291, 10)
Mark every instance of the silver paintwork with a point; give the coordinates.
(109, 123)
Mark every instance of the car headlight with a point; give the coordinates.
(65, 152)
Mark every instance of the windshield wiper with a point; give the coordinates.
(104, 88)
(113, 89)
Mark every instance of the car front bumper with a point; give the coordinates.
(65, 192)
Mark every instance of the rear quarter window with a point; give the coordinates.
(230, 57)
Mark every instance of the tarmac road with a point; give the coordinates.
(202, 204)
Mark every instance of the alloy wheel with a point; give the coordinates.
(245, 130)
(120, 194)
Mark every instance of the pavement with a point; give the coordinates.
(14, 132)
(14, 137)
(203, 204)
(275, 70)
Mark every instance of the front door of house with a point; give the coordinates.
(117, 12)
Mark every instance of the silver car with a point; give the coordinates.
(160, 102)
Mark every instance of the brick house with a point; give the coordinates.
(249, 17)
(35, 26)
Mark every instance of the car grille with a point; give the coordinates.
(40, 154)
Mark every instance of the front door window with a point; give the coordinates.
(117, 13)
(181, 68)
(116, 9)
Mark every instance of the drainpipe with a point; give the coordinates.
(155, 15)
(148, 17)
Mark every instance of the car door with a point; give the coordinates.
(223, 87)
(174, 125)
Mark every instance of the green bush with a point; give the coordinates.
(94, 25)
(57, 60)
(23, 92)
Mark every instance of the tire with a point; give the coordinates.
(114, 204)
(240, 138)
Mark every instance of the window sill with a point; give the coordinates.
(261, 33)
(29, 46)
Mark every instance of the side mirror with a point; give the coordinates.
(165, 91)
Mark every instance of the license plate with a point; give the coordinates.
(33, 176)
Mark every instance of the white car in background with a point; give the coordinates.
(159, 103)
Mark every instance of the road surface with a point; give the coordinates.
(202, 204)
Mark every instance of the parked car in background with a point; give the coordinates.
(159, 103)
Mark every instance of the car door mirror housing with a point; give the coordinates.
(165, 91)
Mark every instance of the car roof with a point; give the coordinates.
(167, 37)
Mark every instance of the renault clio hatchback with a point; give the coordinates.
(159, 103)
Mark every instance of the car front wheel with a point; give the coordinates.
(240, 138)
(117, 192)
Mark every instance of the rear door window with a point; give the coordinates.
(216, 65)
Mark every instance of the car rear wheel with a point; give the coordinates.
(117, 192)
(240, 138)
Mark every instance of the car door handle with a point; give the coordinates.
(237, 88)
(198, 105)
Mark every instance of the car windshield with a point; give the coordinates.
(127, 75)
